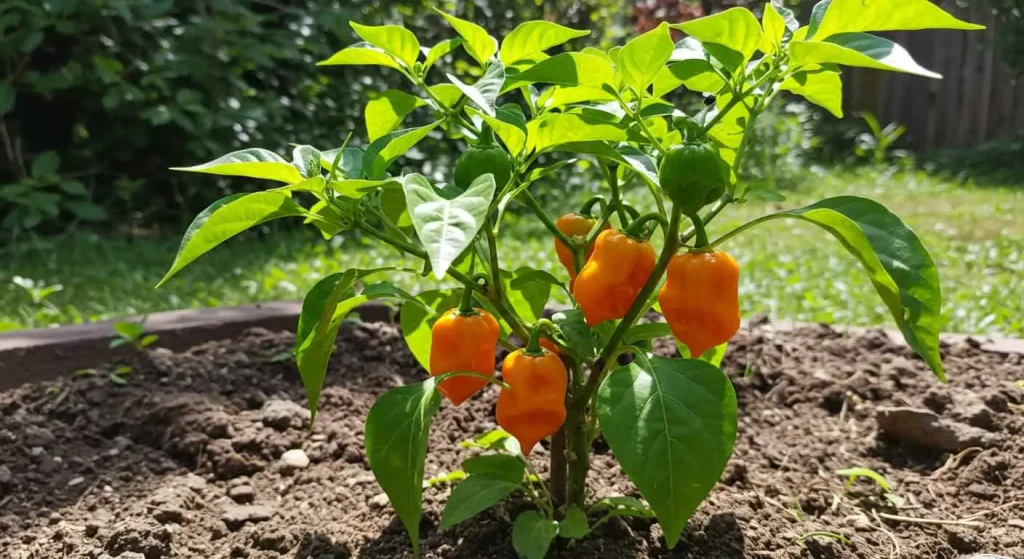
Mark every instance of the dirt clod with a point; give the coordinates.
(925, 428)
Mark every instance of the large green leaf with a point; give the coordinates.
(562, 128)
(307, 160)
(440, 50)
(896, 261)
(858, 49)
(385, 113)
(532, 535)
(671, 424)
(349, 166)
(694, 74)
(393, 39)
(255, 163)
(358, 188)
(643, 57)
(559, 96)
(817, 16)
(474, 495)
(528, 298)
(361, 54)
(845, 16)
(574, 331)
(508, 127)
(533, 37)
(323, 309)
(568, 68)
(226, 218)
(735, 28)
(397, 429)
(484, 93)
(446, 227)
(385, 150)
(821, 87)
(509, 467)
(479, 44)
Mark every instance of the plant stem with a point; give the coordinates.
(578, 454)
(720, 205)
(496, 293)
(545, 218)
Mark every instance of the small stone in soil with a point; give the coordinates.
(38, 436)
(76, 481)
(295, 458)
(237, 515)
(194, 482)
(242, 493)
(5, 475)
(283, 414)
(380, 501)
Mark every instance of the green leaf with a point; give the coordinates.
(393, 39)
(858, 49)
(397, 429)
(573, 329)
(385, 113)
(643, 332)
(671, 424)
(774, 26)
(479, 44)
(694, 74)
(817, 16)
(7, 98)
(474, 495)
(844, 16)
(448, 94)
(484, 93)
(254, 163)
(574, 525)
(351, 164)
(45, 165)
(561, 128)
(506, 126)
(358, 188)
(851, 475)
(766, 194)
(361, 54)
(307, 160)
(569, 68)
(319, 321)
(447, 227)
(386, 149)
(439, 50)
(416, 320)
(226, 218)
(533, 37)
(450, 477)
(735, 28)
(528, 298)
(897, 264)
(504, 466)
(559, 96)
(532, 535)
(821, 87)
(643, 57)
(625, 506)
(494, 439)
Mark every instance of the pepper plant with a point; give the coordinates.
(670, 423)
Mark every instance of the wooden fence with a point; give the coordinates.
(980, 98)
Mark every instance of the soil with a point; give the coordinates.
(183, 458)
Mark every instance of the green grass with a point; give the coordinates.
(791, 270)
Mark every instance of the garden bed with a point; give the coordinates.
(184, 458)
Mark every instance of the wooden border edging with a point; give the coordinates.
(48, 353)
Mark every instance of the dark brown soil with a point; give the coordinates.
(184, 460)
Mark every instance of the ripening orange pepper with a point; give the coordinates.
(549, 345)
(574, 226)
(463, 341)
(613, 276)
(534, 407)
(700, 299)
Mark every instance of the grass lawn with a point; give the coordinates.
(791, 270)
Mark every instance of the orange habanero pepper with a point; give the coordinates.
(700, 299)
(534, 406)
(609, 283)
(463, 341)
(574, 226)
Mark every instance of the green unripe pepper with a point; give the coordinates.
(692, 176)
(484, 157)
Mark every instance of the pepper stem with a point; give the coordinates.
(701, 240)
(486, 138)
(466, 303)
(636, 228)
(533, 346)
(587, 209)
